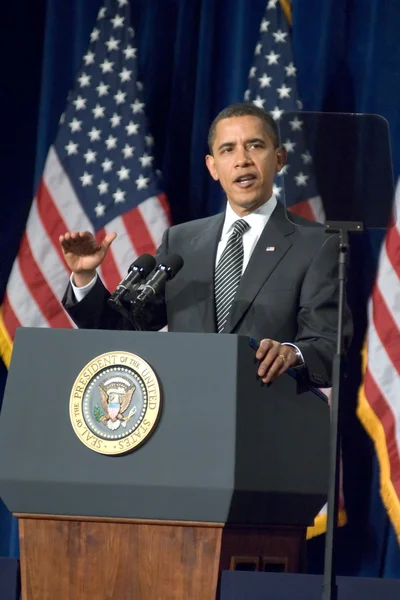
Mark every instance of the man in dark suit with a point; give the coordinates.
(251, 270)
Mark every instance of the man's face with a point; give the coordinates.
(244, 161)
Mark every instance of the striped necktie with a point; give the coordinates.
(228, 273)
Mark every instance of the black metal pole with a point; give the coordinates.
(329, 584)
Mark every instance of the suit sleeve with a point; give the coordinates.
(93, 312)
(318, 314)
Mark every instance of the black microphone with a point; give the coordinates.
(138, 270)
(168, 267)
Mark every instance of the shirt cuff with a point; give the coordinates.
(81, 292)
(300, 359)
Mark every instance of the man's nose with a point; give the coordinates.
(242, 157)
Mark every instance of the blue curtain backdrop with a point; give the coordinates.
(194, 57)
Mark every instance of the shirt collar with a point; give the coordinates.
(257, 219)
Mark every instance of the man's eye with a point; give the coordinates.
(224, 150)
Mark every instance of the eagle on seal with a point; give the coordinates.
(115, 396)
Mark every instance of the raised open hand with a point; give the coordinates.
(83, 254)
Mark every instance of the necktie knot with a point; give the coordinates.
(240, 227)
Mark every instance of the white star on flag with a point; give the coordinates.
(102, 89)
(128, 151)
(84, 80)
(102, 187)
(86, 179)
(259, 102)
(123, 173)
(132, 128)
(284, 91)
(125, 75)
(146, 160)
(296, 124)
(107, 165)
(94, 134)
(264, 25)
(71, 148)
(141, 182)
(99, 209)
(98, 111)
(75, 125)
(276, 113)
(112, 44)
(265, 81)
(289, 145)
(117, 21)
(120, 97)
(291, 70)
(280, 36)
(80, 103)
(149, 140)
(130, 52)
(106, 66)
(90, 156)
(301, 178)
(119, 196)
(272, 58)
(111, 142)
(94, 36)
(115, 120)
(89, 58)
(137, 106)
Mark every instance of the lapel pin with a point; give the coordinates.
(270, 249)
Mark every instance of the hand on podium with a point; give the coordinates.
(275, 358)
(83, 254)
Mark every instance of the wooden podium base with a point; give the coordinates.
(73, 558)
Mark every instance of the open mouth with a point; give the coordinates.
(245, 181)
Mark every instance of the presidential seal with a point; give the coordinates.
(115, 403)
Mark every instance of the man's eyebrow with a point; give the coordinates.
(249, 141)
(253, 140)
(225, 145)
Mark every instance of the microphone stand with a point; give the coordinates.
(329, 584)
(125, 308)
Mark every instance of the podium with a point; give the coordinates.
(230, 478)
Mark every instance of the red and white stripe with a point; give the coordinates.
(382, 377)
(311, 209)
(40, 276)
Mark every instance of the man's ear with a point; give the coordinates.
(281, 157)
(210, 162)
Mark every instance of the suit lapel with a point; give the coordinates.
(204, 249)
(262, 263)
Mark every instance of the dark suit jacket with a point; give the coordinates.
(289, 294)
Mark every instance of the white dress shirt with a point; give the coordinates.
(257, 221)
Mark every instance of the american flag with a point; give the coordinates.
(379, 397)
(273, 87)
(99, 176)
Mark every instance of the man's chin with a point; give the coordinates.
(249, 203)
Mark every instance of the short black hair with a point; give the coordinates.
(244, 109)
